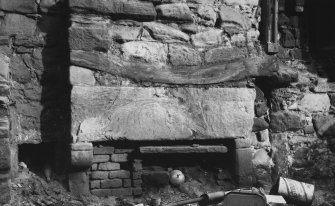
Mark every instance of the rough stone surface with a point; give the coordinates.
(262, 165)
(4, 155)
(123, 174)
(181, 55)
(88, 38)
(261, 108)
(324, 125)
(209, 38)
(165, 33)
(107, 166)
(81, 76)
(4, 128)
(149, 52)
(226, 112)
(242, 2)
(124, 33)
(5, 192)
(132, 9)
(286, 121)
(103, 150)
(184, 149)
(79, 183)
(17, 24)
(243, 166)
(4, 66)
(224, 54)
(208, 13)
(119, 157)
(81, 158)
(281, 151)
(95, 184)
(259, 125)
(315, 102)
(114, 183)
(27, 6)
(92, 60)
(232, 20)
(100, 158)
(99, 175)
(176, 12)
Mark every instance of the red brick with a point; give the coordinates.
(127, 183)
(95, 184)
(119, 157)
(107, 166)
(99, 175)
(123, 174)
(114, 183)
(103, 150)
(100, 158)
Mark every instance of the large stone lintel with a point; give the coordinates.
(146, 114)
(183, 149)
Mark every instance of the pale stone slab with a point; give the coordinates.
(137, 113)
(184, 149)
(315, 102)
(81, 76)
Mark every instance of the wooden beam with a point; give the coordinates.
(184, 149)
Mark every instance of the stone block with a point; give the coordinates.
(315, 102)
(81, 154)
(287, 39)
(261, 108)
(209, 38)
(286, 121)
(94, 166)
(4, 127)
(88, 38)
(184, 149)
(100, 158)
(19, 6)
(124, 33)
(4, 155)
(131, 9)
(123, 174)
(233, 21)
(242, 143)
(50, 6)
(5, 192)
(92, 59)
(164, 33)
(121, 151)
(175, 12)
(81, 76)
(107, 166)
(137, 175)
(101, 192)
(242, 2)
(114, 183)
(119, 157)
(243, 166)
(79, 183)
(324, 125)
(137, 183)
(137, 166)
(151, 52)
(126, 183)
(281, 155)
(99, 175)
(262, 165)
(208, 13)
(223, 54)
(17, 24)
(259, 125)
(4, 66)
(332, 99)
(103, 150)
(142, 113)
(137, 191)
(95, 184)
(181, 55)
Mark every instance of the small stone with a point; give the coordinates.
(189, 28)
(321, 86)
(121, 33)
(324, 125)
(137, 183)
(126, 182)
(4, 66)
(114, 183)
(122, 174)
(137, 191)
(49, 5)
(181, 55)
(264, 136)
(176, 12)
(286, 121)
(302, 157)
(315, 102)
(287, 39)
(262, 164)
(207, 12)
(93, 60)
(121, 151)
(137, 175)
(164, 33)
(259, 124)
(242, 2)
(81, 76)
(94, 167)
(209, 38)
(119, 157)
(107, 166)
(309, 129)
(26, 6)
(137, 166)
(100, 158)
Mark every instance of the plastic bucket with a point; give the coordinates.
(294, 192)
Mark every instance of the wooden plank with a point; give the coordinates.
(184, 149)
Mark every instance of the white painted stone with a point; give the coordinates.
(150, 52)
(211, 37)
(136, 113)
(315, 102)
(81, 76)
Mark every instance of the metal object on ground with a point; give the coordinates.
(155, 201)
(238, 197)
(294, 192)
